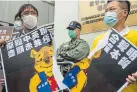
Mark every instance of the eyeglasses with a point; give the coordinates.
(27, 12)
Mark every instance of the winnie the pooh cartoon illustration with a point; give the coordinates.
(43, 80)
(76, 77)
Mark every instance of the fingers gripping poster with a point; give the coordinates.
(28, 62)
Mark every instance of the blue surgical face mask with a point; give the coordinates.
(110, 19)
(72, 34)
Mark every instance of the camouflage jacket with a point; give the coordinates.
(73, 50)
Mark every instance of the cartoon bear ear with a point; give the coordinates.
(33, 53)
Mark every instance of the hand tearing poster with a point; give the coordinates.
(28, 62)
(108, 72)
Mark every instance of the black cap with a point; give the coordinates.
(73, 25)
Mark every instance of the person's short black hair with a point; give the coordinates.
(26, 6)
(16, 18)
(124, 4)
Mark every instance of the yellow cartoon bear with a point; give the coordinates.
(43, 80)
(76, 77)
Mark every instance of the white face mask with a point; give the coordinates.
(29, 21)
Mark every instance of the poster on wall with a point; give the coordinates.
(28, 62)
(108, 71)
(91, 15)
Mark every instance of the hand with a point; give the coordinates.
(2, 42)
(132, 78)
(2, 82)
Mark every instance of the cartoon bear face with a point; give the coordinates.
(43, 59)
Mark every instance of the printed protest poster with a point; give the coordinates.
(91, 15)
(108, 72)
(6, 32)
(28, 62)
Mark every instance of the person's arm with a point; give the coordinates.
(78, 53)
(2, 82)
(2, 42)
(133, 77)
(93, 46)
(58, 52)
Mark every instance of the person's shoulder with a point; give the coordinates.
(64, 44)
(99, 37)
(132, 32)
(132, 36)
(84, 42)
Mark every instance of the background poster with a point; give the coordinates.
(21, 59)
(109, 71)
(91, 14)
(6, 32)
